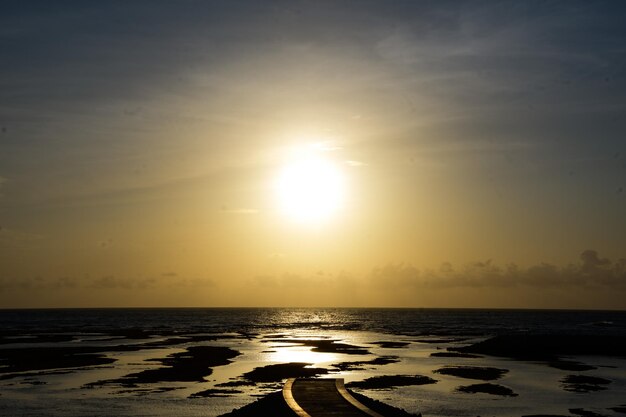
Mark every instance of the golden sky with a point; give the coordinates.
(313, 154)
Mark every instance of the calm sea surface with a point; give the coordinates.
(456, 322)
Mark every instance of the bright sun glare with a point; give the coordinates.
(310, 188)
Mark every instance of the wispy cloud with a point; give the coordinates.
(113, 282)
(38, 283)
(591, 271)
(165, 281)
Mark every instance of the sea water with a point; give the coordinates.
(256, 332)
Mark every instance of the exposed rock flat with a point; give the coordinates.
(482, 373)
(493, 389)
(391, 381)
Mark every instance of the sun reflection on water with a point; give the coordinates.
(288, 352)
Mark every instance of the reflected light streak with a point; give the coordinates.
(285, 354)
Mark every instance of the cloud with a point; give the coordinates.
(105, 243)
(192, 283)
(113, 282)
(8, 284)
(64, 283)
(317, 280)
(38, 283)
(591, 272)
(168, 281)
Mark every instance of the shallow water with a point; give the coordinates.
(256, 334)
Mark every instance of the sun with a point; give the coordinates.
(310, 188)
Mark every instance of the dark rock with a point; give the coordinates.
(391, 381)
(545, 415)
(382, 408)
(494, 389)
(213, 392)
(472, 372)
(585, 413)
(454, 355)
(278, 372)
(192, 365)
(269, 405)
(274, 405)
(584, 383)
(548, 347)
(236, 384)
(391, 345)
(570, 366)
(358, 365)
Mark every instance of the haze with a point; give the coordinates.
(480, 148)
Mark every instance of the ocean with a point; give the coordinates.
(206, 362)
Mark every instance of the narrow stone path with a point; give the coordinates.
(323, 398)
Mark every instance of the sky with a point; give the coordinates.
(313, 153)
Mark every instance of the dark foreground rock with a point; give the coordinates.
(37, 359)
(566, 365)
(585, 413)
(584, 383)
(454, 355)
(382, 408)
(545, 415)
(391, 345)
(493, 389)
(391, 381)
(547, 347)
(16, 361)
(270, 405)
(473, 372)
(278, 372)
(192, 365)
(360, 365)
(274, 405)
(215, 392)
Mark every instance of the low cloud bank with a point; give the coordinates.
(109, 282)
(590, 271)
